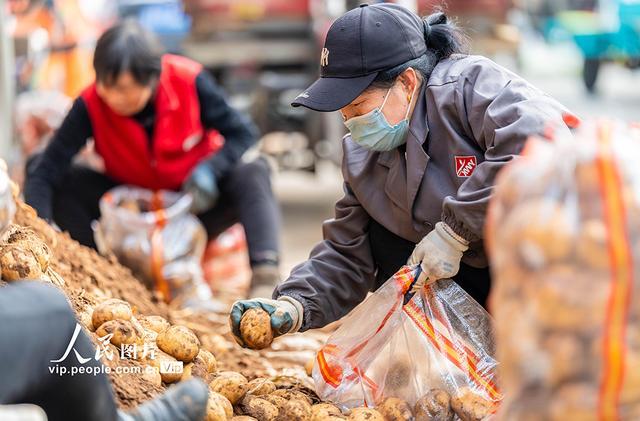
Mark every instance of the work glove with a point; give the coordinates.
(285, 312)
(202, 185)
(438, 254)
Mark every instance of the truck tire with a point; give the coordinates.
(590, 73)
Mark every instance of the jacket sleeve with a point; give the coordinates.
(340, 269)
(216, 114)
(45, 172)
(499, 111)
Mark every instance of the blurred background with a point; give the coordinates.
(264, 52)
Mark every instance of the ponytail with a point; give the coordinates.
(443, 37)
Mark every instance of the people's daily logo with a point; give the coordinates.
(324, 57)
(465, 165)
(104, 350)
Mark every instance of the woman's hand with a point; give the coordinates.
(285, 313)
(438, 254)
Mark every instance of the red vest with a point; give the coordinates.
(179, 140)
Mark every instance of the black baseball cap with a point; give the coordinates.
(359, 45)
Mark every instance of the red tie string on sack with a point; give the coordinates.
(621, 271)
(157, 247)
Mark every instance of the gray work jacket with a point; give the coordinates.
(471, 118)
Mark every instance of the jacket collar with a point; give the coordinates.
(416, 157)
(418, 130)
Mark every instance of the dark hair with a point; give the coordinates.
(127, 47)
(443, 38)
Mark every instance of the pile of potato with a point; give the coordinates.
(23, 255)
(230, 392)
(233, 397)
(553, 276)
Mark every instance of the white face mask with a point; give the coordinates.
(373, 131)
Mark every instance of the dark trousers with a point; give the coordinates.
(391, 252)
(37, 326)
(245, 197)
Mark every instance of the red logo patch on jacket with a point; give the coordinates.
(465, 165)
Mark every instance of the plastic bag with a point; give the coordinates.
(154, 235)
(396, 344)
(564, 233)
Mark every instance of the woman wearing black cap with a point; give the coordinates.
(429, 129)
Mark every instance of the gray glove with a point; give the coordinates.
(285, 312)
(438, 254)
(202, 185)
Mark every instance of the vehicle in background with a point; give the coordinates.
(603, 30)
(166, 18)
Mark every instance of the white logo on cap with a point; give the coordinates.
(303, 95)
(324, 57)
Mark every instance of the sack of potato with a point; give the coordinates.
(154, 235)
(425, 356)
(563, 233)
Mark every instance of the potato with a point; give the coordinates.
(575, 402)
(124, 333)
(470, 407)
(148, 337)
(556, 307)
(157, 324)
(152, 375)
(112, 309)
(131, 205)
(255, 329)
(146, 349)
(398, 377)
(278, 401)
(242, 418)
(592, 245)
(365, 414)
(160, 362)
(231, 385)
(259, 408)
(542, 232)
(566, 357)
(394, 409)
(295, 410)
(197, 368)
(434, 406)
(292, 395)
(26, 239)
(218, 408)
(179, 342)
(208, 359)
(308, 367)
(324, 411)
(258, 387)
(19, 264)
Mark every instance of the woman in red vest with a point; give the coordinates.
(158, 122)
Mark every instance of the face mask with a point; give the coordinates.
(373, 131)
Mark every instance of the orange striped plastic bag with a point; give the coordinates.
(564, 241)
(154, 234)
(395, 344)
